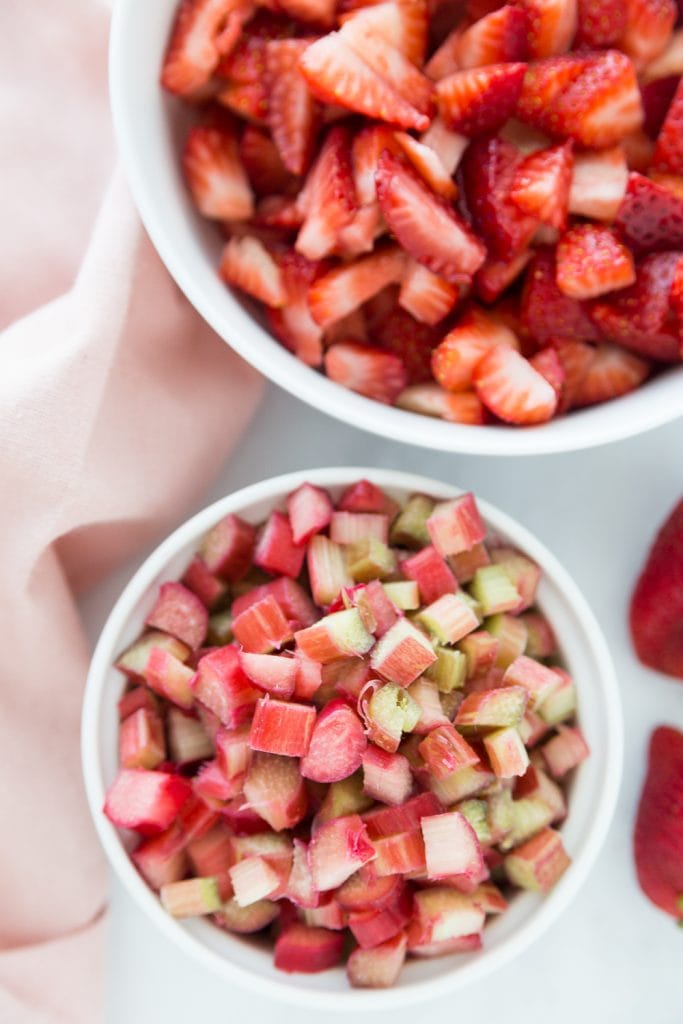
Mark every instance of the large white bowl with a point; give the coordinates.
(592, 799)
(150, 127)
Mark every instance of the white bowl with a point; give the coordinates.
(593, 793)
(150, 127)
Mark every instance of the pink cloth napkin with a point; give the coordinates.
(117, 407)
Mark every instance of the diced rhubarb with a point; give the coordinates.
(535, 783)
(401, 854)
(451, 846)
(404, 594)
(409, 529)
(135, 659)
(232, 750)
(141, 740)
(338, 849)
(270, 673)
(461, 784)
(222, 686)
(300, 888)
(466, 563)
(188, 740)
(228, 548)
(275, 790)
(389, 713)
(449, 671)
(162, 859)
(145, 801)
(538, 863)
(364, 496)
(541, 641)
(480, 650)
(134, 699)
(511, 635)
(565, 751)
(370, 559)
(364, 890)
(431, 573)
(560, 704)
(191, 898)
(374, 602)
(337, 744)
(328, 914)
(342, 798)
(494, 591)
(308, 676)
(372, 927)
(326, 569)
(179, 612)
(196, 818)
(212, 786)
(378, 967)
(349, 527)
(537, 679)
(449, 618)
(283, 728)
(386, 777)
(506, 752)
(168, 676)
(294, 602)
(262, 627)
(339, 635)
(425, 693)
(524, 573)
(442, 914)
(492, 709)
(456, 525)
(310, 511)
(211, 854)
(253, 878)
(276, 551)
(444, 751)
(389, 821)
(301, 948)
(345, 678)
(207, 587)
(402, 654)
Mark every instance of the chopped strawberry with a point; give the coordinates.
(656, 98)
(368, 145)
(657, 601)
(425, 295)
(598, 183)
(658, 834)
(650, 217)
(480, 100)
(498, 37)
(202, 31)
(246, 62)
(552, 26)
(591, 261)
(367, 370)
(547, 314)
(668, 155)
(390, 64)
(544, 83)
(345, 288)
(293, 324)
(640, 317)
(542, 182)
(576, 358)
(262, 162)
(649, 24)
(600, 22)
(610, 373)
(449, 146)
(319, 12)
(403, 24)
(512, 389)
(428, 164)
(412, 341)
(638, 149)
(328, 196)
(445, 60)
(549, 365)
(496, 275)
(489, 167)
(336, 74)
(602, 105)
(432, 400)
(218, 182)
(424, 224)
(248, 265)
(292, 111)
(459, 353)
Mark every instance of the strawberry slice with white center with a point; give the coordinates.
(247, 264)
(432, 400)
(344, 289)
(603, 104)
(512, 389)
(449, 146)
(591, 261)
(214, 172)
(424, 224)
(368, 145)
(458, 354)
(328, 196)
(292, 112)
(390, 64)
(495, 38)
(480, 100)
(552, 25)
(425, 295)
(336, 74)
(648, 28)
(541, 184)
(611, 372)
(293, 324)
(544, 84)
(203, 30)
(600, 22)
(367, 370)
(428, 164)
(598, 185)
(403, 24)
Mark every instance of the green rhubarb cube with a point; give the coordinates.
(409, 529)
(449, 671)
(493, 589)
(369, 559)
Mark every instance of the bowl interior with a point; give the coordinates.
(593, 791)
(150, 127)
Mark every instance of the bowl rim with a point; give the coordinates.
(587, 428)
(271, 490)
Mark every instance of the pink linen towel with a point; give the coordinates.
(117, 407)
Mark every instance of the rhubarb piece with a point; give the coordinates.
(300, 948)
(443, 914)
(409, 529)
(370, 928)
(169, 677)
(282, 728)
(228, 547)
(373, 603)
(220, 629)
(207, 587)
(133, 661)
(145, 801)
(246, 920)
(344, 797)
(480, 650)
(449, 671)
(402, 593)
(253, 879)
(538, 863)
(232, 750)
(262, 627)
(400, 854)
(191, 898)
(276, 551)
(476, 813)
(161, 859)
(512, 636)
(560, 704)
(426, 695)
(294, 602)
(524, 573)
(451, 846)
(327, 569)
(338, 849)
(538, 680)
(328, 914)
(349, 527)
(402, 654)
(389, 821)
(212, 786)
(494, 590)
(179, 612)
(445, 751)
(275, 790)
(300, 888)
(310, 511)
(378, 967)
(565, 751)
(141, 740)
(370, 559)
(308, 677)
(386, 777)
(456, 525)
(211, 853)
(449, 618)
(506, 752)
(536, 784)
(390, 712)
(337, 744)
(221, 685)
(270, 673)
(431, 572)
(188, 740)
(492, 709)
(339, 635)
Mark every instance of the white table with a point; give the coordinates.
(612, 957)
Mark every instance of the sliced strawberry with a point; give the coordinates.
(446, 58)
(552, 26)
(428, 164)
(391, 65)
(544, 84)
(649, 24)
(402, 23)
(676, 296)
(541, 184)
(425, 295)
(496, 38)
(249, 100)
(598, 183)
(495, 276)
(368, 145)
(449, 146)
(658, 834)
(650, 217)
(367, 370)
(293, 324)
(657, 601)
(214, 172)
(638, 149)
(640, 317)
(292, 112)
(668, 155)
(424, 224)
(359, 235)
(319, 12)
(202, 31)
(247, 264)
(672, 182)
(412, 341)
(457, 356)
(344, 289)
(480, 100)
(610, 373)
(328, 196)
(576, 358)
(262, 162)
(600, 22)
(549, 365)
(432, 400)
(512, 389)
(489, 167)
(602, 105)
(656, 98)
(547, 314)
(336, 74)
(591, 261)
(246, 63)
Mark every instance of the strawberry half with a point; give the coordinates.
(552, 26)
(367, 370)
(512, 389)
(480, 100)
(496, 38)
(610, 372)
(262, 162)
(425, 225)
(428, 165)
(542, 182)
(648, 28)
(400, 333)
(650, 217)
(345, 288)
(658, 834)
(544, 84)
(404, 24)
(592, 261)
(600, 22)
(328, 197)
(602, 105)
(668, 155)
(425, 295)
(293, 323)
(203, 30)
(214, 172)
(547, 314)
(248, 265)
(292, 112)
(656, 614)
(390, 64)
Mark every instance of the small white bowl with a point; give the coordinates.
(150, 128)
(593, 792)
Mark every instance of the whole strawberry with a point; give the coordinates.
(658, 836)
(656, 615)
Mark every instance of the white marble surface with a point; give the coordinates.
(612, 957)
